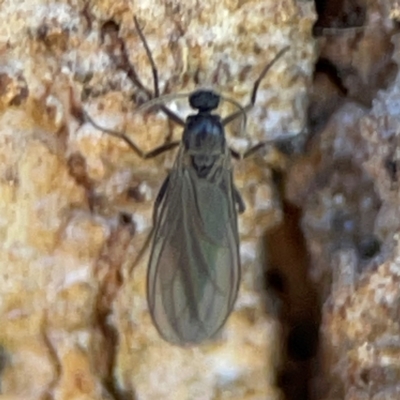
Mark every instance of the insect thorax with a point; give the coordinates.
(204, 141)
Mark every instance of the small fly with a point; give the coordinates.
(194, 269)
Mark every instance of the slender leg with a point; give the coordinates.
(153, 153)
(239, 200)
(235, 154)
(253, 97)
(142, 250)
(280, 144)
(249, 106)
(255, 148)
(157, 203)
(159, 198)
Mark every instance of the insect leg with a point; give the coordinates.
(255, 148)
(153, 153)
(238, 200)
(284, 145)
(159, 199)
(235, 154)
(157, 203)
(253, 96)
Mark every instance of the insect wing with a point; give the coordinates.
(194, 271)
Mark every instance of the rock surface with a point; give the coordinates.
(347, 186)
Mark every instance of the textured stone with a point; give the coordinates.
(347, 186)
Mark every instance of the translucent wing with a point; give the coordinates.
(194, 271)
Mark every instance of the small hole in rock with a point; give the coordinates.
(275, 280)
(391, 168)
(125, 218)
(368, 247)
(135, 193)
(302, 341)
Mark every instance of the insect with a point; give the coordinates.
(194, 269)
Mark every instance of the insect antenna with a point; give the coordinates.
(249, 106)
(253, 96)
(150, 58)
(241, 111)
(169, 113)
